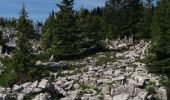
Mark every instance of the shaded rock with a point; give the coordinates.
(41, 96)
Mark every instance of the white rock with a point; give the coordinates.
(107, 97)
(67, 84)
(106, 90)
(74, 77)
(119, 55)
(36, 90)
(162, 93)
(120, 78)
(51, 58)
(43, 84)
(25, 85)
(38, 63)
(129, 69)
(122, 46)
(117, 73)
(34, 84)
(76, 86)
(16, 88)
(20, 97)
(121, 97)
(109, 72)
(143, 95)
(99, 81)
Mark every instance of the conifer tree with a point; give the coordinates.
(49, 32)
(111, 17)
(134, 14)
(146, 20)
(17, 68)
(1, 39)
(66, 37)
(161, 38)
(24, 25)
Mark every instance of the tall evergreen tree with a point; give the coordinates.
(161, 41)
(90, 26)
(49, 31)
(145, 22)
(24, 25)
(134, 15)
(111, 17)
(66, 34)
(1, 39)
(17, 68)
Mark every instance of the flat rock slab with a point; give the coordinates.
(43, 84)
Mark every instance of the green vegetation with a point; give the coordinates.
(69, 34)
(160, 29)
(107, 57)
(151, 87)
(21, 67)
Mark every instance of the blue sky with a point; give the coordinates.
(39, 9)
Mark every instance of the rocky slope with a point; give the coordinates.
(114, 75)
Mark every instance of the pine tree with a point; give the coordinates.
(66, 37)
(17, 68)
(1, 39)
(134, 15)
(49, 32)
(24, 25)
(111, 17)
(90, 26)
(161, 38)
(145, 23)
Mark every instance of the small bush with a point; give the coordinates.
(151, 87)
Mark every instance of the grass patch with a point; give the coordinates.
(107, 57)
